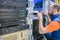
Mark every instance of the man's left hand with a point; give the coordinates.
(40, 15)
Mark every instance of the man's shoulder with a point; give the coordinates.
(57, 19)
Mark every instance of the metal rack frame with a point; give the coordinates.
(29, 18)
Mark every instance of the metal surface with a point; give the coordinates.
(13, 13)
(29, 18)
(8, 30)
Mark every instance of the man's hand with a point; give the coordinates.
(44, 13)
(40, 15)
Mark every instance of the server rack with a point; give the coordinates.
(13, 15)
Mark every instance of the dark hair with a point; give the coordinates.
(56, 7)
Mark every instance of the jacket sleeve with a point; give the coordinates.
(53, 26)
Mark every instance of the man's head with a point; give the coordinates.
(54, 9)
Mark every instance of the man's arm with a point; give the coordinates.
(53, 26)
(41, 28)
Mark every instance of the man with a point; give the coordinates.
(54, 25)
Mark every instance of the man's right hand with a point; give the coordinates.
(44, 13)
